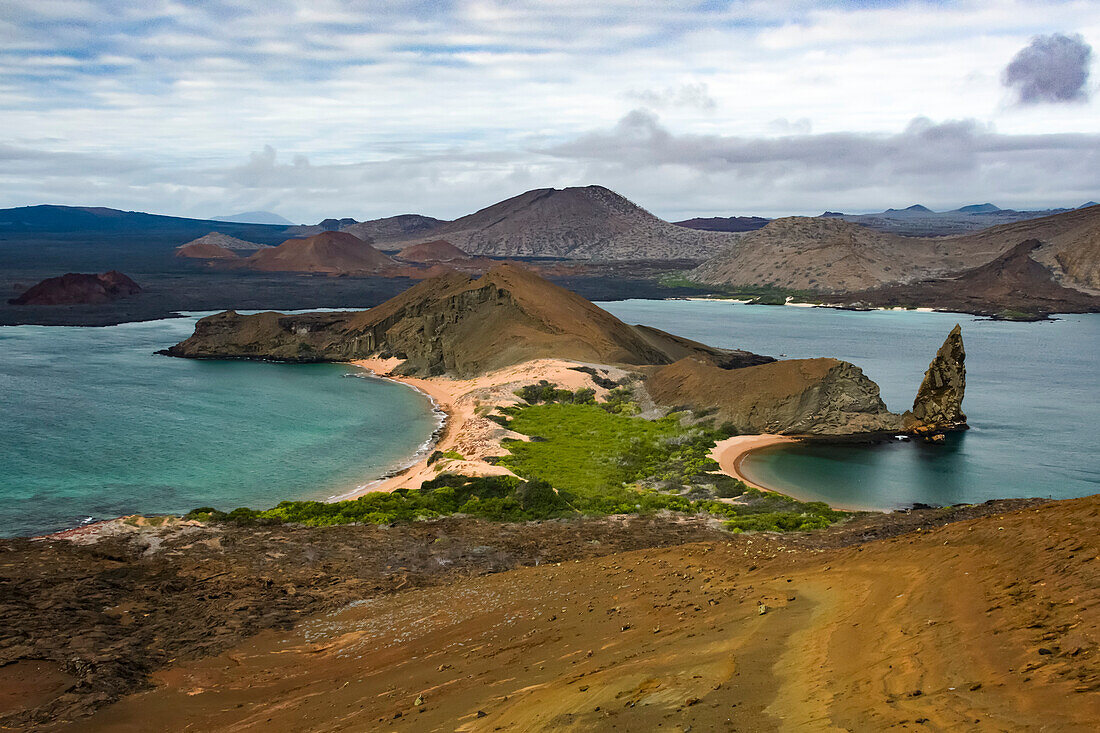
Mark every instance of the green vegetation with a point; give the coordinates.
(598, 379)
(592, 449)
(1009, 314)
(582, 459)
(769, 299)
(762, 294)
(499, 498)
(548, 392)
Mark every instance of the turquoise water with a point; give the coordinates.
(1031, 399)
(96, 425)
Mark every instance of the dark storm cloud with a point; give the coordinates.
(1052, 68)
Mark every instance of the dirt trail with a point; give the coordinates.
(985, 624)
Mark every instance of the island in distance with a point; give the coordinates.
(589, 239)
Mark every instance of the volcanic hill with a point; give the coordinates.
(327, 252)
(823, 254)
(831, 255)
(455, 324)
(79, 289)
(589, 223)
(216, 245)
(1013, 282)
(437, 250)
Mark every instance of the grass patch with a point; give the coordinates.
(583, 459)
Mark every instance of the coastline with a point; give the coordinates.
(730, 454)
(466, 432)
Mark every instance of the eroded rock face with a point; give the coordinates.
(820, 397)
(938, 405)
(452, 324)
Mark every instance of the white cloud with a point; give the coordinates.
(439, 106)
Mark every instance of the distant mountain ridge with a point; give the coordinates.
(832, 255)
(920, 221)
(581, 223)
(52, 218)
(254, 217)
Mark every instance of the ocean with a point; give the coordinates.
(1032, 399)
(95, 425)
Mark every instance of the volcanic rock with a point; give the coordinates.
(792, 396)
(205, 251)
(832, 255)
(217, 246)
(589, 223)
(453, 324)
(725, 223)
(329, 252)
(438, 250)
(79, 289)
(393, 228)
(1012, 282)
(938, 405)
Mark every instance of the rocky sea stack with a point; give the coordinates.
(938, 405)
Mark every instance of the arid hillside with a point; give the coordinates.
(456, 324)
(1011, 283)
(437, 250)
(982, 619)
(835, 256)
(803, 253)
(77, 288)
(589, 223)
(330, 252)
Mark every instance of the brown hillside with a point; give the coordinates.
(824, 254)
(795, 396)
(222, 241)
(1012, 281)
(833, 255)
(589, 223)
(205, 251)
(982, 622)
(79, 289)
(330, 252)
(394, 228)
(452, 323)
(437, 250)
(1071, 243)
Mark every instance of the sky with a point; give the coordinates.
(707, 108)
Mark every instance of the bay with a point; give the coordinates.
(96, 425)
(1031, 399)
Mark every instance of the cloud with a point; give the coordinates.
(443, 106)
(938, 163)
(685, 95)
(1051, 69)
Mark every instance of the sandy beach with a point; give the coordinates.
(731, 452)
(466, 403)
(468, 433)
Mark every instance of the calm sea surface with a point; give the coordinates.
(1032, 399)
(95, 425)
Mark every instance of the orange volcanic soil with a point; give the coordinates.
(984, 624)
